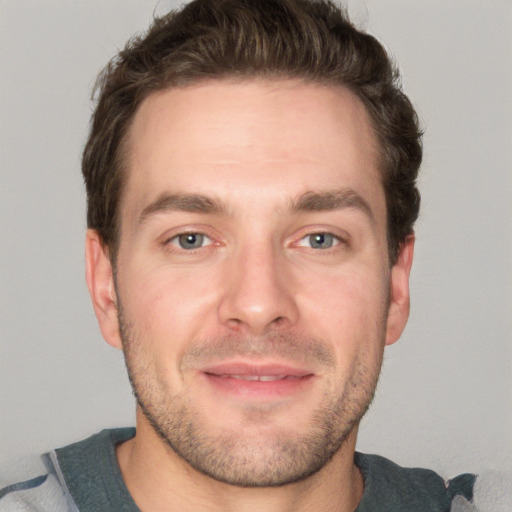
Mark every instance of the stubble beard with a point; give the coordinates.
(262, 458)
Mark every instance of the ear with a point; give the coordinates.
(100, 281)
(399, 292)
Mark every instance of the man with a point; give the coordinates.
(250, 174)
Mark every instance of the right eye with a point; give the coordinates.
(190, 241)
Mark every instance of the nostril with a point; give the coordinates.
(234, 323)
(279, 321)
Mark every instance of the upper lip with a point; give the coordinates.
(258, 369)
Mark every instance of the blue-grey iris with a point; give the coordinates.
(191, 240)
(321, 240)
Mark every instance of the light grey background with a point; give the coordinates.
(445, 396)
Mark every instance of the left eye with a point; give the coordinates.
(319, 241)
(189, 241)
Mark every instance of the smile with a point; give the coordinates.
(264, 381)
(261, 378)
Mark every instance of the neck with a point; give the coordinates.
(159, 480)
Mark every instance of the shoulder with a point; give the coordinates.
(42, 492)
(389, 486)
(61, 481)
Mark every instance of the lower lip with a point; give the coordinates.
(257, 388)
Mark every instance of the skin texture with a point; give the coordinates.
(253, 243)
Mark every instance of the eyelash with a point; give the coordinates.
(176, 241)
(335, 240)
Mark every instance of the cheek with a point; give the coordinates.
(349, 310)
(166, 302)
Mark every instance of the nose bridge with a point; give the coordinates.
(257, 294)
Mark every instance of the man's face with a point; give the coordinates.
(253, 284)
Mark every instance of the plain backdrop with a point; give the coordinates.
(445, 395)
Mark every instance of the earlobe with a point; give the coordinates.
(100, 281)
(399, 292)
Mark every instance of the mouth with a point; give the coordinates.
(260, 378)
(257, 381)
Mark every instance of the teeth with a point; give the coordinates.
(261, 378)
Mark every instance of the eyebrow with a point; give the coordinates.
(310, 201)
(194, 203)
(331, 200)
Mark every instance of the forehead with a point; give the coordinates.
(251, 139)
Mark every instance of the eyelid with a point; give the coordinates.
(337, 240)
(174, 240)
(169, 239)
(340, 235)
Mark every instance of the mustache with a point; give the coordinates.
(294, 348)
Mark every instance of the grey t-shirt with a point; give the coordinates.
(85, 477)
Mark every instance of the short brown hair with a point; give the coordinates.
(312, 40)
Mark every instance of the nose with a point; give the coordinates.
(257, 295)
